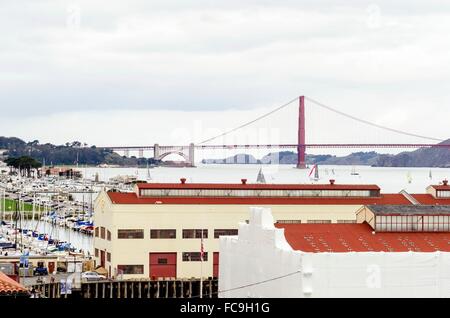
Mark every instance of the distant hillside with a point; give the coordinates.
(68, 154)
(426, 157)
(290, 157)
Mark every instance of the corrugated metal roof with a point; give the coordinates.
(428, 199)
(410, 209)
(319, 238)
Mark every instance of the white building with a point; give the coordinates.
(338, 260)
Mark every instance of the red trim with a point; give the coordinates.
(255, 186)
(441, 187)
(132, 198)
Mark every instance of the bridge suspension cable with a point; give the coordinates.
(250, 122)
(370, 123)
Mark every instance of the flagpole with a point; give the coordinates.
(201, 267)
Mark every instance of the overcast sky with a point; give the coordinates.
(140, 72)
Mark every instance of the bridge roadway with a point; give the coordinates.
(280, 146)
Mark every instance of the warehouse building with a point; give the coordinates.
(156, 231)
(395, 251)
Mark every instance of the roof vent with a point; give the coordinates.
(445, 182)
(183, 180)
(332, 181)
(244, 181)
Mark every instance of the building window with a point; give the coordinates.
(130, 269)
(346, 221)
(108, 235)
(162, 261)
(222, 232)
(194, 257)
(96, 252)
(96, 232)
(102, 232)
(319, 221)
(195, 234)
(130, 234)
(163, 234)
(108, 257)
(289, 221)
(443, 194)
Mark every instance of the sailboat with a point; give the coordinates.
(260, 178)
(409, 177)
(149, 177)
(315, 169)
(354, 173)
(430, 175)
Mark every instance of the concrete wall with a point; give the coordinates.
(260, 263)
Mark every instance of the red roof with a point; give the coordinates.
(8, 286)
(256, 186)
(132, 198)
(441, 187)
(428, 199)
(359, 238)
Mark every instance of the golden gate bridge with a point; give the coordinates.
(187, 151)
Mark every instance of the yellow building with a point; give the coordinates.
(156, 231)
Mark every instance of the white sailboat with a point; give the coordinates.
(409, 177)
(261, 178)
(354, 173)
(315, 169)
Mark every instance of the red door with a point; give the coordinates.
(51, 267)
(163, 265)
(216, 264)
(102, 259)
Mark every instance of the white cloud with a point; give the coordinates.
(378, 61)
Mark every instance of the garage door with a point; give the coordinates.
(163, 265)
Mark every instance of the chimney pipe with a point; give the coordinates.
(332, 181)
(244, 181)
(183, 180)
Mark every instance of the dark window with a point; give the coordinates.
(194, 257)
(96, 252)
(162, 261)
(102, 232)
(96, 232)
(221, 232)
(108, 235)
(163, 234)
(289, 221)
(108, 257)
(319, 221)
(130, 234)
(131, 269)
(189, 234)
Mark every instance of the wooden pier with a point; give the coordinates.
(134, 289)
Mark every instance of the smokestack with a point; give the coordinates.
(183, 180)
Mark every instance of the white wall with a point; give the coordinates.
(260, 255)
